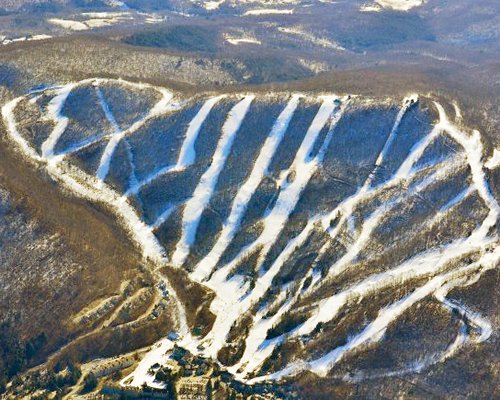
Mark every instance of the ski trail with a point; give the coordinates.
(476, 241)
(376, 217)
(187, 154)
(203, 192)
(157, 354)
(164, 216)
(474, 150)
(408, 102)
(11, 124)
(430, 262)
(130, 155)
(87, 187)
(375, 331)
(417, 151)
(257, 347)
(160, 107)
(116, 131)
(344, 210)
(54, 110)
(471, 317)
(479, 181)
(260, 169)
(255, 354)
(230, 301)
(229, 304)
(441, 266)
(494, 161)
(303, 166)
(82, 144)
(105, 108)
(416, 366)
(457, 199)
(134, 189)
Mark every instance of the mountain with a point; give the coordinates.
(257, 199)
(324, 226)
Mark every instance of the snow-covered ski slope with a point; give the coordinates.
(317, 220)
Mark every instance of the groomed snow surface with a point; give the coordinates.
(233, 295)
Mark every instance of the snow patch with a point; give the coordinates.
(268, 11)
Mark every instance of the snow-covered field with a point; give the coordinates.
(92, 20)
(309, 37)
(4, 40)
(237, 40)
(394, 181)
(396, 5)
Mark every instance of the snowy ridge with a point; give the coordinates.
(354, 221)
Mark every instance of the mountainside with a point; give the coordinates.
(258, 199)
(328, 233)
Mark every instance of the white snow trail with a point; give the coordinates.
(417, 151)
(116, 131)
(231, 301)
(474, 150)
(54, 110)
(233, 297)
(105, 108)
(431, 262)
(343, 212)
(408, 102)
(405, 173)
(377, 216)
(428, 263)
(160, 107)
(417, 366)
(86, 186)
(256, 351)
(229, 304)
(375, 331)
(257, 347)
(10, 121)
(201, 196)
(457, 199)
(478, 323)
(494, 161)
(240, 203)
(163, 216)
(303, 167)
(187, 154)
(157, 355)
(132, 181)
(471, 317)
